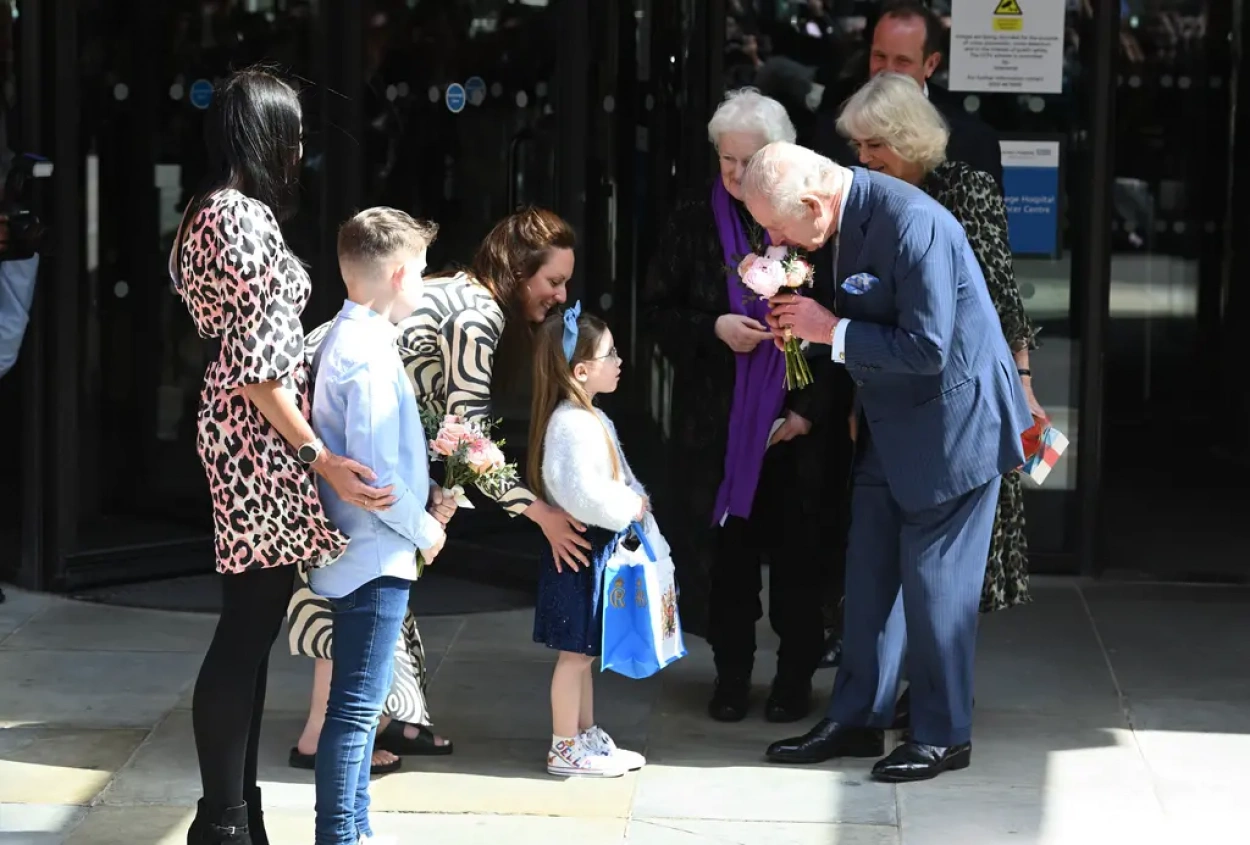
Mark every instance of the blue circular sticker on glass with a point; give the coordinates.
(201, 93)
(455, 98)
(475, 86)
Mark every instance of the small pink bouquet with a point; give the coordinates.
(469, 456)
(765, 276)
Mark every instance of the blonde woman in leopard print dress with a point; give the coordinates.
(448, 349)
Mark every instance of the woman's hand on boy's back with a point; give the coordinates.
(563, 532)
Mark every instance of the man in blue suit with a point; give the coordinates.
(939, 409)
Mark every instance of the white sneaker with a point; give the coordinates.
(574, 758)
(597, 739)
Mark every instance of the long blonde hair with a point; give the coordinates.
(554, 383)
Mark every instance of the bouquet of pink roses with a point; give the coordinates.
(469, 456)
(765, 276)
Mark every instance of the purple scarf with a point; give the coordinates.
(759, 376)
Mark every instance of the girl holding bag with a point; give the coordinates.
(575, 463)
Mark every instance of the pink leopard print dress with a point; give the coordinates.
(244, 288)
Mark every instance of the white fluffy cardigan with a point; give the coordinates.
(577, 469)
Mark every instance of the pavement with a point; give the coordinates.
(1105, 713)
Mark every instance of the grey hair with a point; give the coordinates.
(783, 172)
(891, 108)
(747, 110)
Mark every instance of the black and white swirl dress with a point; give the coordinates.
(448, 349)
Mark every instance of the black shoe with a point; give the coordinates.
(731, 698)
(826, 741)
(228, 827)
(913, 761)
(833, 652)
(789, 701)
(902, 712)
(256, 816)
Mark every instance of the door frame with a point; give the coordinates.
(1093, 302)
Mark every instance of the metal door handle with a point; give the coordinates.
(514, 149)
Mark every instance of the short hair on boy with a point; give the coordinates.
(375, 234)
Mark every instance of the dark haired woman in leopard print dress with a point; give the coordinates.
(245, 291)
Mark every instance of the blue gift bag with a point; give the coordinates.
(641, 626)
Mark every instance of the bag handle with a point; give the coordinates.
(641, 534)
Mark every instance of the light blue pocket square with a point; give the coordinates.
(860, 283)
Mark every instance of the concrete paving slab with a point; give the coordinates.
(752, 793)
(78, 626)
(507, 636)
(511, 699)
(99, 689)
(703, 832)
(20, 607)
(500, 777)
(1044, 657)
(61, 766)
(38, 824)
(165, 770)
(1156, 651)
(941, 812)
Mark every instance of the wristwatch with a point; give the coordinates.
(309, 452)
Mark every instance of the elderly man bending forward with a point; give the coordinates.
(939, 413)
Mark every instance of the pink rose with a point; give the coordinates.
(745, 264)
(765, 278)
(484, 456)
(443, 445)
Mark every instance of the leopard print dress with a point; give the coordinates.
(246, 290)
(973, 198)
(448, 350)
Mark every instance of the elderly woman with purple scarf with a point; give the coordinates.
(760, 474)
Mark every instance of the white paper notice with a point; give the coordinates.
(1007, 45)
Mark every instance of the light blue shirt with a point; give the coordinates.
(364, 409)
(17, 293)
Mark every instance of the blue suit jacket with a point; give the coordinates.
(934, 377)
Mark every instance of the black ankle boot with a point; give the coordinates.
(227, 827)
(256, 816)
(731, 697)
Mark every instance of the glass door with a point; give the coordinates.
(1175, 495)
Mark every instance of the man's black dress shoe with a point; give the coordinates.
(826, 741)
(731, 698)
(912, 761)
(833, 652)
(788, 701)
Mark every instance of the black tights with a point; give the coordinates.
(229, 701)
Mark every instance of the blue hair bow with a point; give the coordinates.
(571, 315)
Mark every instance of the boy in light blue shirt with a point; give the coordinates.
(364, 408)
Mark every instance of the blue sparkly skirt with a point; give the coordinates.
(568, 615)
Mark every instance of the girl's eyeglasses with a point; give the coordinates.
(611, 356)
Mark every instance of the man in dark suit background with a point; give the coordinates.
(908, 39)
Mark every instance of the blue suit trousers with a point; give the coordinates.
(937, 557)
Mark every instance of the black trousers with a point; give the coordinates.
(229, 700)
(790, 539)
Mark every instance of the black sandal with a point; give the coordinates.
(300, 760)
(424, 744)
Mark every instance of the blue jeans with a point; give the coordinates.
(367, 624)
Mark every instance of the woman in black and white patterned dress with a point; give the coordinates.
(448, 349)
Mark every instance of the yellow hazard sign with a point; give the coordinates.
(1008, 16)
